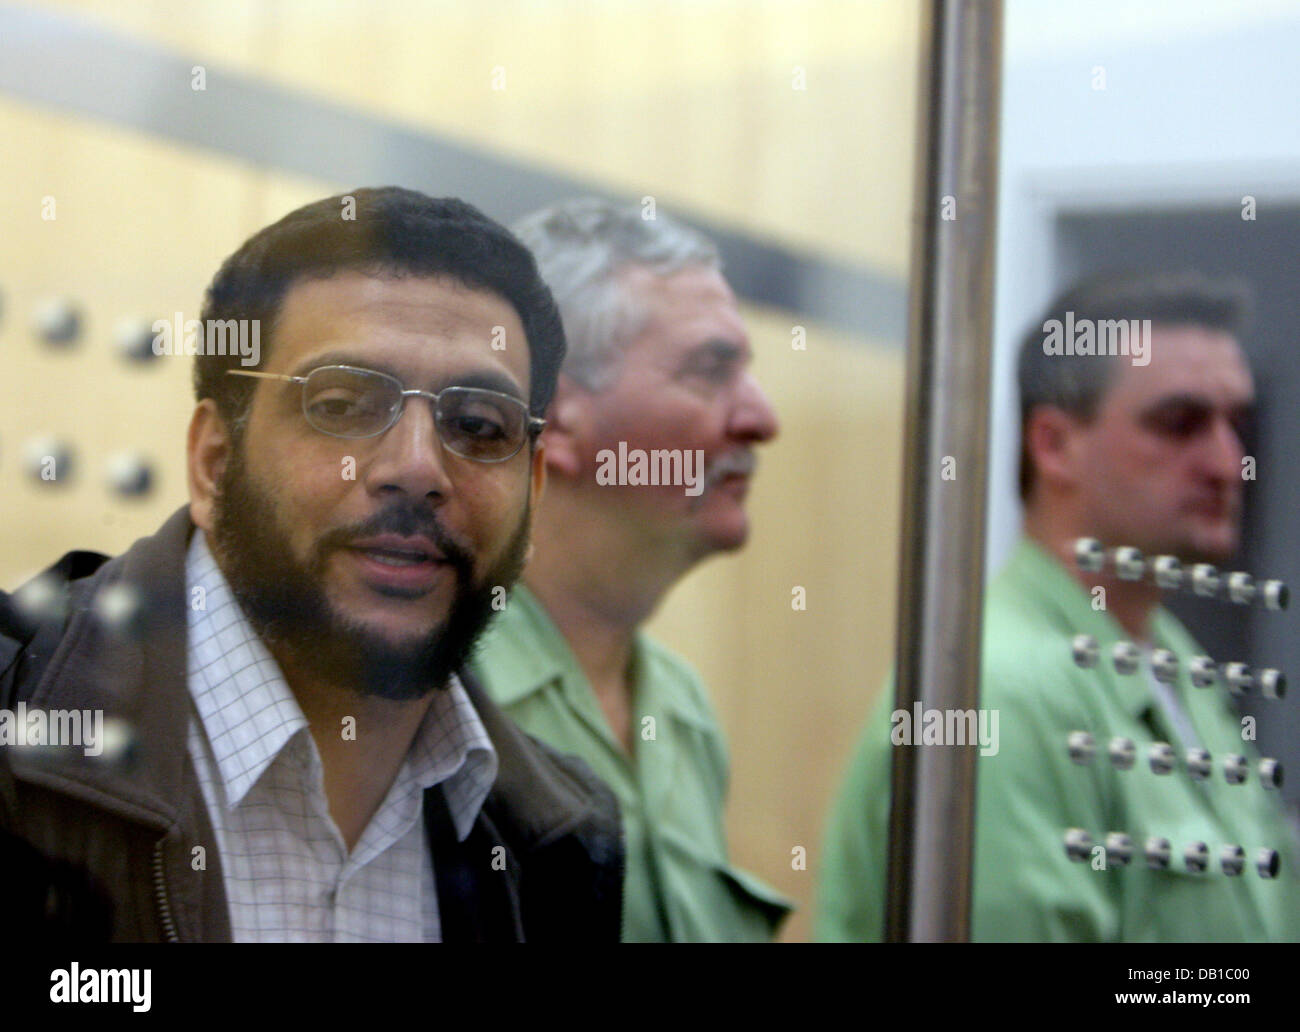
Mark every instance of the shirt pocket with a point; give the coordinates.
(711, 900)
(1178, 904)
(758, 898)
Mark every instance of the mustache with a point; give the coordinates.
(743, 462)
(407, 519)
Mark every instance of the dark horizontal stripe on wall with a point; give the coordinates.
(71, 64)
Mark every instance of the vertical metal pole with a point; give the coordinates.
(941, 575)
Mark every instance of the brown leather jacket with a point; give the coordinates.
(97, 848)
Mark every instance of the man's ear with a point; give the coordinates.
(566, 423)
(208, 447)
(1052, 439)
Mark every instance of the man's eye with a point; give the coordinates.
(342, 408)
(1180, 423)
(336, 405)
(715, 370)
(481, 427)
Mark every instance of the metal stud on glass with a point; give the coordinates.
(1199, 763)
(1081, 747)
(1089, 555)
(1272, 683)
(57, 321)
(1119, 849)
(1168, 571)
(1086, 651)
(1203, 670)
(1161, 758)
(1241, 588)
(117, 745)
(129, 474)
(1276, 595)
(1233, 860)
(134, 340)
(1196, 857)
(48, 460)
(121, 743)
(1235, 769)
(45, 597)
(1129, 564)
(1205, 580)
(1078, 844)
(1126, 656)
(119, 607)
(1123, 753)
(1157, 851)
(1270, 773)
(1164, 665)
(1238, 678)
(1267, 862)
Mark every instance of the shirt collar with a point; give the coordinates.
(1040, 580)
(524, 652)
(250, 717)
(532, 653)
(245, 707)
(453, 747)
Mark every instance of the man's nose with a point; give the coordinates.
(409, 455)
(753, 418)
(1225, 450)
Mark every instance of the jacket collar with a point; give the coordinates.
(140, 677)
(134, 673)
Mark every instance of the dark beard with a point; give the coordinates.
(286, 603)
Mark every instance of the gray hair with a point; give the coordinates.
(1077, 383)
(582, 246)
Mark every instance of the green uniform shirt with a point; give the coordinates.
(679, 885)
(1030, 792)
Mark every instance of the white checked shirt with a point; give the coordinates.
(288, 874)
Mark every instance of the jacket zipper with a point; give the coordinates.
(160, 892)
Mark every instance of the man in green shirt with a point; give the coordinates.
(1142, 448)
(649, 450)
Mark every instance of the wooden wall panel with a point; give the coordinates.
(691, 103)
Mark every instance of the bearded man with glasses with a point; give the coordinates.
(312, 763)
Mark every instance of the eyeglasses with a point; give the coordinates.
(472, 422)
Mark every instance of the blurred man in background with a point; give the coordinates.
(650, 449)
(1137, 445)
